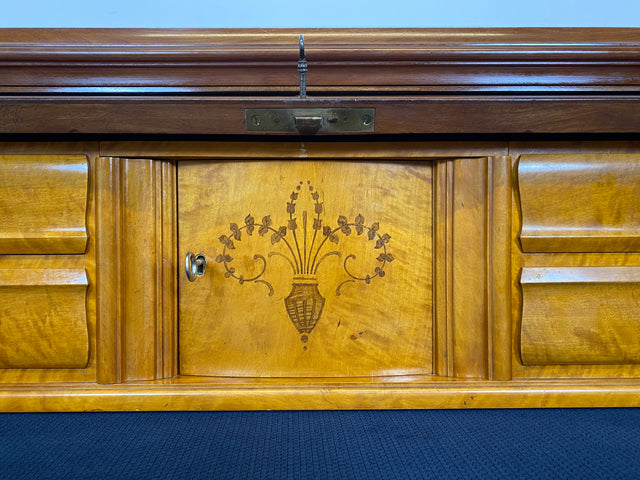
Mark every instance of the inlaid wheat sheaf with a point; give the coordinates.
(305, 248)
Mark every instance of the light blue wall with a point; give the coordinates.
(319, 13)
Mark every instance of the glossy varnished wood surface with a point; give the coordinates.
(178, 60)
(296, 149)
(136, 274)
(356, 245)
(580, 315)
(575, 314)
(419, 81)
(195, 395)
(43, 319)
(517, 318)
(471, 254)
(579, 203)
(206, 115)
(69, 332)
(43, 200)
(457, 195)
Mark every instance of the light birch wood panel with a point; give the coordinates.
(43, 203)
(472, 301)
(43, 321)
(587, 149)
(580, 315)
(364, 244)
(22, 264)
(136, 269)
(580, 202)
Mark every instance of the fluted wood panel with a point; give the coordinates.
(136, 269)
(472, 254)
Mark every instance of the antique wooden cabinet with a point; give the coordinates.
(256, 219)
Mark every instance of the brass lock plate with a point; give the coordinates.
(310, 120)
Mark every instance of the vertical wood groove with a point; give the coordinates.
(471, 268)
(159, 283)
(489, 267)
(442, 346)
(448, 255)
(136, 268)
(170, 292)
(119, 300)
(500, 260)
(108, 338)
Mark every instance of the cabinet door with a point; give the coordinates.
(313, 268)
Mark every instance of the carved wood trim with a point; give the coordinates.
(44, 319)
(420, 81)
(197, 60)
(579, 202)
(136, 286)
(188, 394)
(472, 221)
(54, 219)
(580, 315)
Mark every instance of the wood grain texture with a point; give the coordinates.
(128, 60)
(287, 148)
(565, 261)
(419, 81)
(572, 262)
(472, 254)
(43, 320)
(496, 85)
(360, 232)
(135, 269)
(499, 267)
(408, 114)
(580, 315)
(46, 265)
(232, 396)
(43, 203)
(580, 203)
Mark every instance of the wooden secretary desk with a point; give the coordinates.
(279, 219)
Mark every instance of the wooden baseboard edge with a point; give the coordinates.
(160, 397)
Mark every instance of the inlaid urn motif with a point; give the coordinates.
(304, 303)
(305, 247)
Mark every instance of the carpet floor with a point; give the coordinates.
(405, 444)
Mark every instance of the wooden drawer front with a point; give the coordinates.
(314, 268)
(43, 320)
(580, 315)
(43, 203)
(580, 203)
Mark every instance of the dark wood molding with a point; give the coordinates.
(421, 81)
(201, 59)
(394, 115)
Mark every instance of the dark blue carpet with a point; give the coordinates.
(528, 444)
